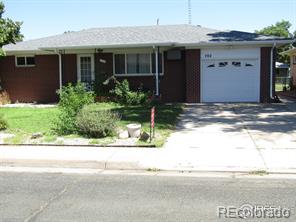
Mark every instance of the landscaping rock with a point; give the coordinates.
(123, 135)
(144, 136)
(36, 135)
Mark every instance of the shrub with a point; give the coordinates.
(126, 96)
(93, 121)
(3, 123)
(4, 98)
(72, 99)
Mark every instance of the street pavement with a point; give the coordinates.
(151, 197)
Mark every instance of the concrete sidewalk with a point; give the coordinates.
(194, 159)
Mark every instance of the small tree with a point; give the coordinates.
(280, 29)
(9, 30)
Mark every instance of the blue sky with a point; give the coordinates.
(49, 17)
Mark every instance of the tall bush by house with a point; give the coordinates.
(93, 121)
(126, 96)
(71, 100)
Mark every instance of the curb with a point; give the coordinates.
(73, 145)
(135, 166)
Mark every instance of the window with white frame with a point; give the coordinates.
(25, 61)
(137, 64)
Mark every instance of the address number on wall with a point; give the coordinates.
(208, 55)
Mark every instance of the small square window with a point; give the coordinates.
(30, 61)
(21, 61)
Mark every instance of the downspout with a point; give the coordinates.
(60, 69)
(156, 71)
(271, 70)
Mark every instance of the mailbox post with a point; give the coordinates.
(152, 128)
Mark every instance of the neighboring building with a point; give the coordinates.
(292, 54)
(195, 64)
(282, 69)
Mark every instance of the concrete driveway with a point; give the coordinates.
(255, 136)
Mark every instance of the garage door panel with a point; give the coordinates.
(230, 80)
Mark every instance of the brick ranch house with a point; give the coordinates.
(181, 63)
(292, 54)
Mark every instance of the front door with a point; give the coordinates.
(86, 72)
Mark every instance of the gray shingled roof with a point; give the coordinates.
(138, 35)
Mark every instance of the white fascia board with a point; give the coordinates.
(236, 43)
(115, 46)
(28, 52)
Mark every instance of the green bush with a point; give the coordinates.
(126, 96)
(93, 121)
(3, 123)
(72, 99)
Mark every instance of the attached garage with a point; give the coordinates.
(230, 75)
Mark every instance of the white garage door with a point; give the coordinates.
(230, 75)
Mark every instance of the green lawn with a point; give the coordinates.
(29, 120)
(25, 121)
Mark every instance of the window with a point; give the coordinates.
(249, 64)
(137, 64)
(119, 63)
(223, 64)
(294, 59)
(236, 64)
(25, 61)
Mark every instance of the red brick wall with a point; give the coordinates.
(265, 75)
(192, 75)
(31, 84)
(172, 83)
(69, 62)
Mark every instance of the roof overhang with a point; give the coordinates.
(51, 50)
(113, 46)
(238, 43)
(289, 52)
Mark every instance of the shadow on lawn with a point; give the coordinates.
(165, 115)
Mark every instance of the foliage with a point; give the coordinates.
(126, 96)
(280, 29)
(4, 98)
(9, 30)
(72, 99)
(3, 123)
(93, 121)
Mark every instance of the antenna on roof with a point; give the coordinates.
(189, 12)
